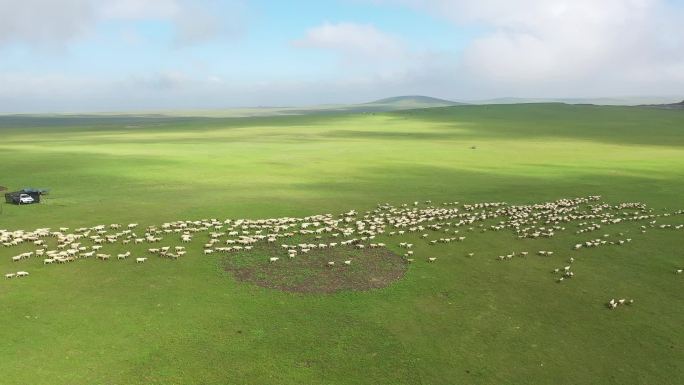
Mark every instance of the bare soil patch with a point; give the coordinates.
(310, 273)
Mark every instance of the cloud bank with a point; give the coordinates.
(522, 48)
(55, 24)
(581, 47)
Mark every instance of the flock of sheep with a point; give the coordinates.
(298, 236)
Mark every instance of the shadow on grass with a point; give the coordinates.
(605, 124)
(610, 125)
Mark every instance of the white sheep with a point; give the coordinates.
(22, 274)
(273, 259)
(140, 260)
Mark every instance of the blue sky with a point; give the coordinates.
(87, 55)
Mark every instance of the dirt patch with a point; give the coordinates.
(3, 188)
(310, 273)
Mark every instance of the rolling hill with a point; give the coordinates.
(397, 103)
(412, 101)
(675, 106)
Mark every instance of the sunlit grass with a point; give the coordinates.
(460, 320)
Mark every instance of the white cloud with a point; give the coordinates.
(364, 52)
(51, 23)
(541, 47)
(141, 9)
(44, 23)
(526, 48)
(351, 39)
(196, 25)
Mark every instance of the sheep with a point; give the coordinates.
(679, 271)
(22, 274)
(47, 261)
(348, 262)
(432, 259)
(273, 259)
(402, 220)
(141, 260)
(10, 275)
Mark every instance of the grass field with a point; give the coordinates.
(459, 320)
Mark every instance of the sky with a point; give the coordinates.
(131, 55)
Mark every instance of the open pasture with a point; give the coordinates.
(482, 312)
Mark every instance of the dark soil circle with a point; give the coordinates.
(310, 272)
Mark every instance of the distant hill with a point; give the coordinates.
(397, 103)
(414, 101)
(673, 106)
(615, 101)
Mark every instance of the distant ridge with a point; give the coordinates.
(605, 101)
(416, 100)
(673, 106)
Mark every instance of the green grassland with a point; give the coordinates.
(460, 320)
